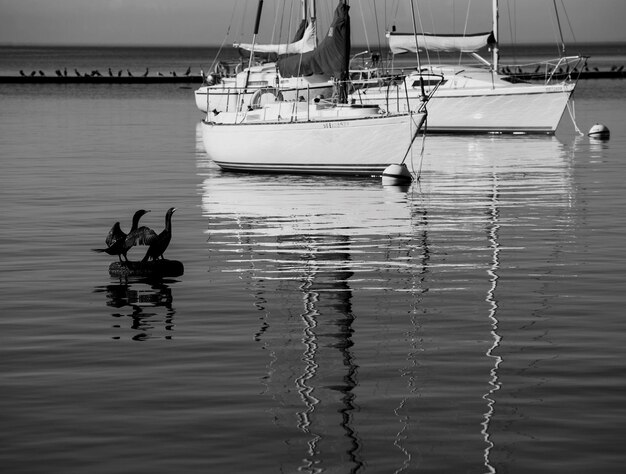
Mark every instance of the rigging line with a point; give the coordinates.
(568, 22)
(380, 46)
(219, 51)
(513, 29)
(558, 22)
(367, 40)
(243, 17)
(469, 6)
(419, 17)
(433, 31)
(571, 108)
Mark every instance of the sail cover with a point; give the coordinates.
(405, 42)
(305, 41)
(330, 58)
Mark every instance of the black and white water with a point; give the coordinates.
(471, 323)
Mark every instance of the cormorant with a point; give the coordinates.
(58, 73)
(110, 73)
(76, 72)
(130, 74)
(119, 243)
(64, 72)
(159, 244)
(188, 71)
(145, 74)
(41, 73)
(119, 73)
(32, 74)
(22, 73)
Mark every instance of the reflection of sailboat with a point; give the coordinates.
(323, 259)
(144, 298)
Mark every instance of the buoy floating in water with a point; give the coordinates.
(395, 175)
(599, 131)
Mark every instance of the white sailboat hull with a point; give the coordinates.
(361, 146)
(456, 107)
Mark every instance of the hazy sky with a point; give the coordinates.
(206, 22)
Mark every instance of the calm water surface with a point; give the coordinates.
(471, 323)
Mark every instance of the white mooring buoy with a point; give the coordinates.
(397, 175)
(599, 131)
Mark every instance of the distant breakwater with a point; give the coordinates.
(102, 79)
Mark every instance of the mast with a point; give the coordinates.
(494, 49)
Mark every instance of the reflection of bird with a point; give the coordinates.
(159, 244)
(119, 243)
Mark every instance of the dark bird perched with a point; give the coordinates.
(76, 72)
(159, 244)
(160, 74)
(130, 74)
(145, 74)
(119, 73)
(174, 73)
(41, 73)
(32, 74)
(188, 71)
(64, 72)
(119, 243)
(22, 73)
(58, 73)
(110, 73)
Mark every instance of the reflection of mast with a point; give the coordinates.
(327, 319)
(417, 289)
(494, 383)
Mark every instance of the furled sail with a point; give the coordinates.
(405, 42)
(330, 58)
(305, 41)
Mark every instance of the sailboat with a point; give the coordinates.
(312, 136)
(248, 86)
(477, 99)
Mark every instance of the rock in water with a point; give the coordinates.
(157, 268)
